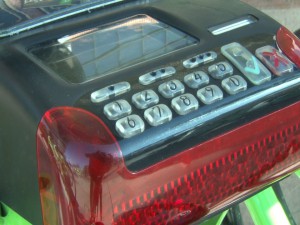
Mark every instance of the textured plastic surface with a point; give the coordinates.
(83, 177)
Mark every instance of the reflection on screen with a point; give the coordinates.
(96, 52)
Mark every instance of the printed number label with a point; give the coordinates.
(185, 100)
(131, 122)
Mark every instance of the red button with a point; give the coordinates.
(289, 44)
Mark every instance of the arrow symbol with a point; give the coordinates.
(254, 70)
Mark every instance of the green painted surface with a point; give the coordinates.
(298, 173)
(265, 209)
(216, 220)
(10, 217)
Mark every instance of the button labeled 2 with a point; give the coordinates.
(145, 99)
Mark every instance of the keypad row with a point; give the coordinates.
(156, 114)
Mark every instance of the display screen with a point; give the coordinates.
(93, 53)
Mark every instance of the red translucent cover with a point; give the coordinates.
(289, 44)
(83, 178)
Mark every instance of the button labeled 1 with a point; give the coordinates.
(116, 110)
(130, 126)
(158, 115)
(247, 63)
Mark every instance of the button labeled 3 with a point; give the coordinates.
(158, 115)
(130, 126)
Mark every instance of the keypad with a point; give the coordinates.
(158, 115)
(185, 104)
(234, 84)
(171, 88)
(145, 99)
(206, 86)
(196, 79)
(116, 110)
(130, 126)
(210, 94)
(220, 70)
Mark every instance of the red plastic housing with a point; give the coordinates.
(289, 44)
(83, 178)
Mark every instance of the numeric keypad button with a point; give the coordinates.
(196, 79)
(145, 99)
(171, 89)
(184, 104)
(117, 109)
(210, 94)
(234, 84)
(130, 126)
(158, 115)
(220, 70)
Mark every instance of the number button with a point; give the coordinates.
(130, 126)
(185, 104)
(210, 94)
(196, 79)
(171, 88)
(118, 109)
(220, 70)
(158, 115)
(145, 99)
(234, 84)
